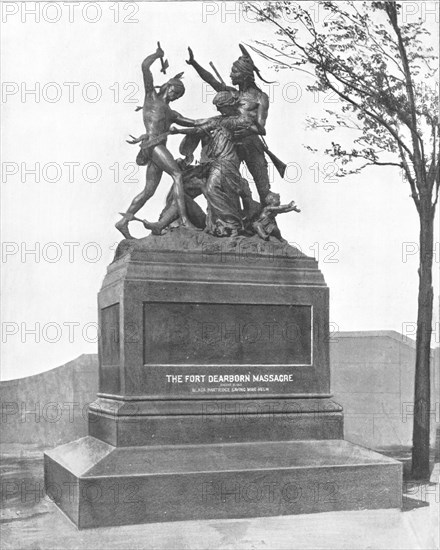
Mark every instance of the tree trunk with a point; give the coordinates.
(422, 395)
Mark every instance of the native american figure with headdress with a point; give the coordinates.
(253, 105)
(158, 117)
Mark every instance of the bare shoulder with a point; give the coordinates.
(259, 96)
(264, 98)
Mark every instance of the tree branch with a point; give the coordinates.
(376, 117)
(380, 47)
(419, 156)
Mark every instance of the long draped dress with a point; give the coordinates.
(224, 182)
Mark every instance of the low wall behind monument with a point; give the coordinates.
(49, 408)
(372, 377)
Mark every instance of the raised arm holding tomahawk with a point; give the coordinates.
(253, 104)
(158, 117)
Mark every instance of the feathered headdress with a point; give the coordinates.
(177, 80)
(246, 65)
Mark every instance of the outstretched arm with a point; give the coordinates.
(146, 64)
(205, 75)
(193, 131)
(184, 121)
(201, 127)
(283, 208)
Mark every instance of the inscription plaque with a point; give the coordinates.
(227, 334)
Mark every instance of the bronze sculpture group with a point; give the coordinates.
(235, 135)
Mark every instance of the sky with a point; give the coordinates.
(71, 83)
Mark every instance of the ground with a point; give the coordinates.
(31, 521)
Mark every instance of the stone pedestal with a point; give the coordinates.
(214, 392)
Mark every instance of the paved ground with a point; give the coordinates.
(31, 521)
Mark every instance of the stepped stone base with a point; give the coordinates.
(178, 422)
(98, 485)
(214, 392)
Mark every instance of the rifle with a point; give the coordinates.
(217, 73)
(279, 164)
